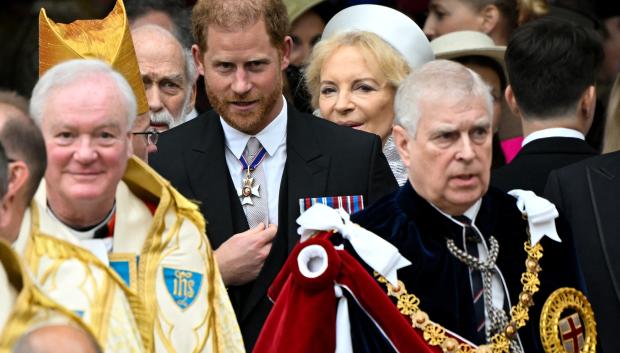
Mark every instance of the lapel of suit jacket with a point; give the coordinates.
(305, 174)
(307, 167)
(210, 179)
(604, 186)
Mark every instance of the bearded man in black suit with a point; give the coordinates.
(250, 193)
(552, 66)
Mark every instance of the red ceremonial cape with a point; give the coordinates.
(303, 318)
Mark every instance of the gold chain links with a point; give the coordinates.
(434, 334)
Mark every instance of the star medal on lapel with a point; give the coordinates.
(247, 190)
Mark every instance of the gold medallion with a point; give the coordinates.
(567, 323)
(247, 191)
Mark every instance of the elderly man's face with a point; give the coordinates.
(87, 140)
(449, 158)
(162, 66)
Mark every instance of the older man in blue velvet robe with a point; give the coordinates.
(447, 221)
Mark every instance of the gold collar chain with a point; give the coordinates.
(435, 335)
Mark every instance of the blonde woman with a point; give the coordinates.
(354, 71)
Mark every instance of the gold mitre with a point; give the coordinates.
(108, 39)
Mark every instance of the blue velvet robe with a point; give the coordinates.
(441, 281)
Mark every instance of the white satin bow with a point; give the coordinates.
(541, 215)
(379, 254)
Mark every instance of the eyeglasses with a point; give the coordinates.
(152, 136)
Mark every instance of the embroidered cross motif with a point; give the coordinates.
(571, 332)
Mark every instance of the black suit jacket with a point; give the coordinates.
(588, 195)
(531, 167)
(323, 159)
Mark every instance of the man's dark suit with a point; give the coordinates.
(323, 159)
(588, 194)
(531, 167)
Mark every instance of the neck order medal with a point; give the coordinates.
(248, 189)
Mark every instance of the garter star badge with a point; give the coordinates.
(567, 323)
(182, 285)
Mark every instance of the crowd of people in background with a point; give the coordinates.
(165, 167)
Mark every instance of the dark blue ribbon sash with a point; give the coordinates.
(255, 162)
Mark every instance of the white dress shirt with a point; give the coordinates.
(273, 138)
(552, 132)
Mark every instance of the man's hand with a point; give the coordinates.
(241, 257)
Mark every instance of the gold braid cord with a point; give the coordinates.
(435, 334)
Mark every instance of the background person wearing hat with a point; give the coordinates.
(57, 45)
(307, 18)
(477, 51)
(355, 70)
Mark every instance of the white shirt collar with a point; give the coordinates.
(271, 137)
(552, 132)
(471, 213)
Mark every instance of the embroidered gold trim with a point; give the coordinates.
(210, 318)
(31, 306)
(41, 244)
(559, 301)
(435, 335)
(164, 236)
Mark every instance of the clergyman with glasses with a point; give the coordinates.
(144, 138)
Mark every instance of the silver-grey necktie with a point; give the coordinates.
(253, 191)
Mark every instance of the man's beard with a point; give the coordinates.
(251, 122)
(164, 116)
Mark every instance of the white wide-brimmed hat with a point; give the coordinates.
(467, 43)
(394, 27)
